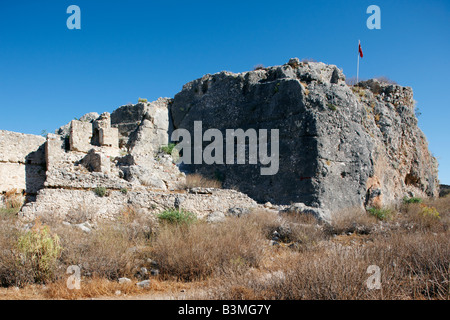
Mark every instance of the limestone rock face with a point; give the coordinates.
(339, 146)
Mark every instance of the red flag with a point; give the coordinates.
(360, 50)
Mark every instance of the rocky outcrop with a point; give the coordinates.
(339, 146)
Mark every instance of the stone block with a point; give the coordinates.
(80, 136)
(109, 137)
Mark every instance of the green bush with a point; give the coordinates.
(332, 107)
(39, 248)
(140, 100)
(175, 216)
(124, 190)
(101, 191)
(169, 148)
(381, 214)
(277, 87)
(412, 200)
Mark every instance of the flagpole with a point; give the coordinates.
(357, 69)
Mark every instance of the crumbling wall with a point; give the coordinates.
(22, 162)
(62, 203)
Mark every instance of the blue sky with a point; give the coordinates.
(131, 49)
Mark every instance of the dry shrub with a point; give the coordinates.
(12, 272)
(301, 231)
(92, 288)
(352, 220)
(112, 249)
(413, 266)
(386, 80)
(110, 252)
(267, 222)
(430, 216)
(13, 199)
(199, 181)
(82, 213)
(27, 257)
(442, 205)
(200, 250)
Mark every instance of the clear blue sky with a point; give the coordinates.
(131, 49)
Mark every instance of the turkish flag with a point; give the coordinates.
(360, 50)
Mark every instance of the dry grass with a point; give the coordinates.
(13, 199)
(97, 287)
(112, 250)
(236, 260)
(199, 181)
(421, 216)
(412, 267)
(201, 250)
(352, 220)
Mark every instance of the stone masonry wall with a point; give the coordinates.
(22, 162)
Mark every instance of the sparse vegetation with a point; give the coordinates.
(203, 250)
(277, 88)
(238, 258)
(101, 192)
(258, 67)
(352, 220)
(332, 107)
(168, 149)
(40, 250)
(386, 80)
(177, 216)
(412, 200)
(381, 214)
(199, 181)
(141, 100)
(13, 200)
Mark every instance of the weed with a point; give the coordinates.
(168, 149)
(412, 200)
(101, 192)
(175, 216)
(199, 181)
(332, 107)
(381, 214)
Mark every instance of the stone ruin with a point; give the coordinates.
(340, 147)
(59, 174)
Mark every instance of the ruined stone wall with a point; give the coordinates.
(64, 203)
(22, 162)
